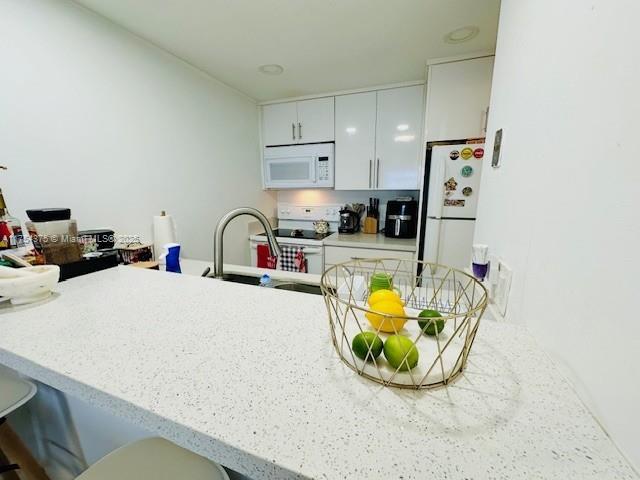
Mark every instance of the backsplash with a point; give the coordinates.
(326, 197)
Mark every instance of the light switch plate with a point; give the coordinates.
(494, 270)
(503, 287)
(497, 146)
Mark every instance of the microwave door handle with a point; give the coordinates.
(267, 171)
(314, 170)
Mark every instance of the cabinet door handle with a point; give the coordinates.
(299, 131)
(377, 173)
(293, 131)
(370, 171)
(486, 120)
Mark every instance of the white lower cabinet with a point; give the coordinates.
(334, 255)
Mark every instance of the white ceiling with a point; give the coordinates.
(323, 45)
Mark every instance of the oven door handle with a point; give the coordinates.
(306, 250)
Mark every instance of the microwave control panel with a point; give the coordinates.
(323, 169)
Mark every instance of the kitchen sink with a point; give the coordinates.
(236, 278)
(278, 285)
(299, 287)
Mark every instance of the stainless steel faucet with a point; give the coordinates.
(274, 247)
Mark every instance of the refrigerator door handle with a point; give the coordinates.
(431, 253)
(436, 186)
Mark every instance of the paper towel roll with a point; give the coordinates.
(164, 231)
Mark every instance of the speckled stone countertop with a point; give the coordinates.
(365, 240)
(247, 377)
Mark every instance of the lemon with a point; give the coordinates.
(431, 327)
(385, 324)
(396, 348)
(361, 343)
(384, 295)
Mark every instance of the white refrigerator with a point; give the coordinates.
(451, 196)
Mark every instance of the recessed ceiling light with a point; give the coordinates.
(271, 69)
(461, 35)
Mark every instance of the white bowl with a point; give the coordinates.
(29, 284)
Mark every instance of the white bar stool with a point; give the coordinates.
(153, 458)
(150, 458)
(15, 392)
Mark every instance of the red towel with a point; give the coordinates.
(301, 262)
(265, 260)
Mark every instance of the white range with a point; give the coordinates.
(295, 227)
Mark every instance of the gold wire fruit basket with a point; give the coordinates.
(403, 323)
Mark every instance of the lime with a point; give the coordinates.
(396, 348)
(361, 343)
(431, 327)
(380, 281)
(384, 295)
(383, 323)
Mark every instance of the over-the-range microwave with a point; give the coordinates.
(299, 166)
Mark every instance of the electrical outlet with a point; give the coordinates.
(494, 270)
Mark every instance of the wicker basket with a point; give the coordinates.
(457, 296)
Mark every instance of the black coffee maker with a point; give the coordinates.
(349, 221)
(402, 218)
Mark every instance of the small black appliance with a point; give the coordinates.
(402, 218)
(349, 221)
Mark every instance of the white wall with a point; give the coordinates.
(563, 209)
(95, 119)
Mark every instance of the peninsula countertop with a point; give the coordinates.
(368, 240)
(248, 377)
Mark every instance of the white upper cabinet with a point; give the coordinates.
(279, 123)
(355, 141)
(306, 121)
(378, 138)
(315, 120)
(458, 95)
(399, 138)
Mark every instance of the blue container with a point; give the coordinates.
(172, 257)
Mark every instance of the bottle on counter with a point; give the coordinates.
(11, 235)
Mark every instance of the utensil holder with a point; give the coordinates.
(370, 225)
